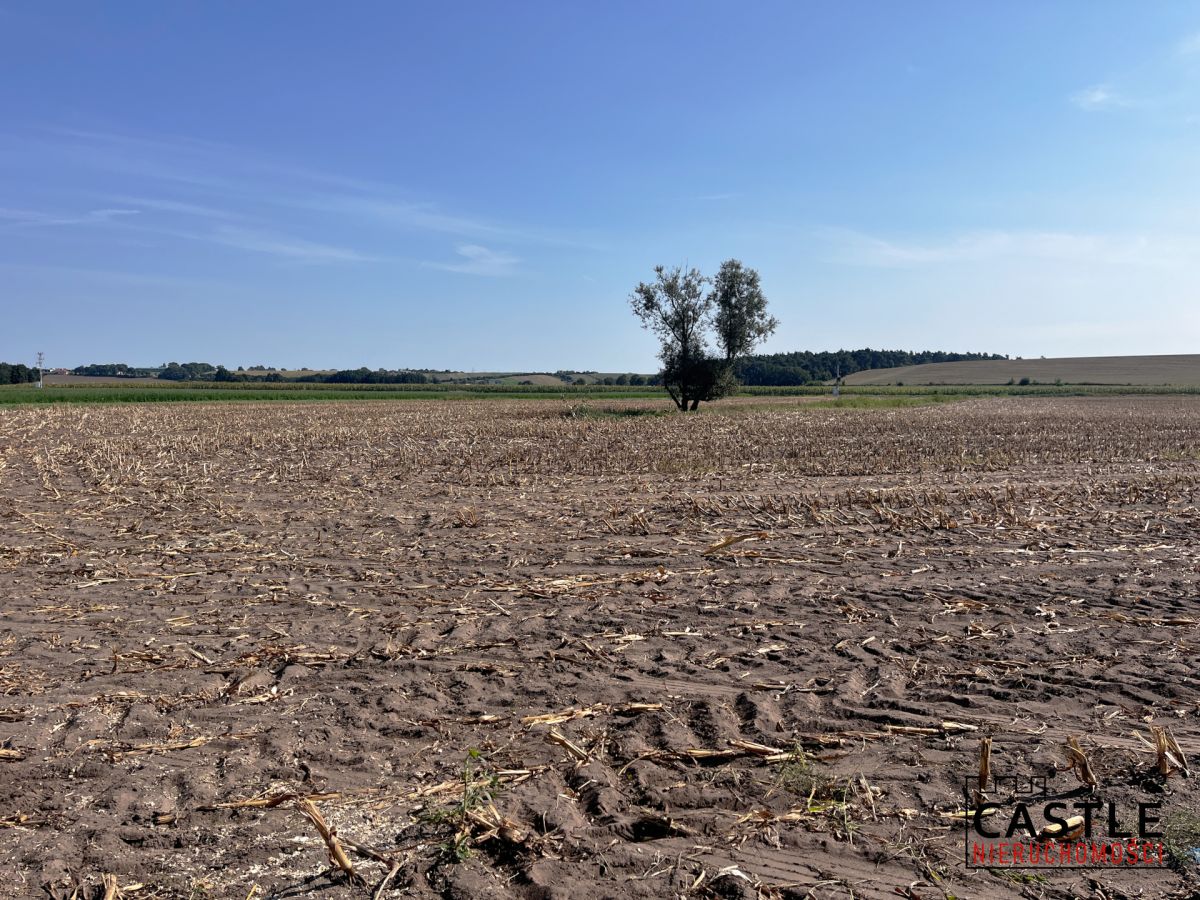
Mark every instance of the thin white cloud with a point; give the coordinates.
(1190, 45)
(219, 177)
(477, 260)
(858, 248)
(429, 217)
(108, 215)
(1097, 97)
(280, 245)
(26, 216)
(41, 219)
(256, 241)
(74, 275)
(414, 216)
(172, 206)
(203, 163)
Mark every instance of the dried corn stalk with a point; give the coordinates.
(337, 855)
(985, 769)
(1170, 755)
(557, 737)
(735, 539)
(1080, 764)
(1057, 832)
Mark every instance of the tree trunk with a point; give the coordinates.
(695, 405)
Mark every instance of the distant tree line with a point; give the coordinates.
(366, 376)
(768, 370)
(202, 371)
(345, 376)
(631, 379)
(193, 371)
(115, 370)
(781, 369)
(17, 373)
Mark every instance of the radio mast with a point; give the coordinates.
(41, 359)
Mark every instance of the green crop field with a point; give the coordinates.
(853, 396)
(174, 392)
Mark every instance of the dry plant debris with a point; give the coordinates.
(1080, 764)
(1169, 755)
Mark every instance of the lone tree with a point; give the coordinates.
(678, 307)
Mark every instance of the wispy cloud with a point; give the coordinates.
(41, 219)
(62, 274)
(858, 248)
(477, 260)
(172, 206)
(409, 216)
(228, 235)
(429, 217)
(1189, 46)
(209, 165)
(192, 177)
(284, 246)
(1161, 84)
(1097, 97)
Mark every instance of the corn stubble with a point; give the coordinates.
(677, 652)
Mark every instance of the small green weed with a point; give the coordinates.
(798, 776)
(479, 790)
(1182, 831)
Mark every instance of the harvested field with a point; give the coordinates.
(486, 649)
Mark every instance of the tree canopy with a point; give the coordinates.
(685, 311)
(17, 373)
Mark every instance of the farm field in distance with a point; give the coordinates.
(510, 648)
(156, 391)
(463, 379)
(1179, 369)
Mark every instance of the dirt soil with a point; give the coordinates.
(527, 650)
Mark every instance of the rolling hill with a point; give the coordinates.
(1182, 369)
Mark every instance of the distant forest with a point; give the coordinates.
(17, 373)
(200, 371)
(778, 369)
(768, 370)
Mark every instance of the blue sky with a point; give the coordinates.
(480, 185)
